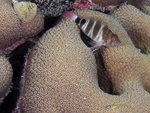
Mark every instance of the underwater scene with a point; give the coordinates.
(74, 56)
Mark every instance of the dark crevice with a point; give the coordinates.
(106, 11)
(144, 50)
(104, 80)
(17, 60)
(49, 22)
(145, 83)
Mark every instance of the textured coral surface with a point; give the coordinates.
(61, 74)
(12, 28)
(136, 3)
(137, 25)
(5, 76)
(108, 2)
(54, 8)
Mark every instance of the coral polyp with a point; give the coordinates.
(26, 11)
(13, 28)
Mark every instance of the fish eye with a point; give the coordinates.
(82, 21)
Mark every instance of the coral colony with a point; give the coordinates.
(25, 10)
(74, 56)
(13, 28)
(53, 7)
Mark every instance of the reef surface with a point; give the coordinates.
(55, 72)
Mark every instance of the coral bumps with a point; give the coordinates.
(54, 8)
(137, 25)
(5, 76)
(12, 28)
(61, 74)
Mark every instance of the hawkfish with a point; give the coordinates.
(97, 31)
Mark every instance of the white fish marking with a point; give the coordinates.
(96, 30)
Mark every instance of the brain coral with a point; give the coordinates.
(12, 28)
(61, 73)
(137, 25)
(5, 76)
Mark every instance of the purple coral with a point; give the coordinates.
(83, 5)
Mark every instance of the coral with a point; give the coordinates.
(108, 5)
(102, 5)
(5, 76)
(136, 3)
(108, 2)
(33, 27)
(146, 2)
(146, 9)
(136, 24)
(26, 11)
(12, 28)
(53, 8)
(61, 73)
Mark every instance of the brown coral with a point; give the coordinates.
(136, 3)
(12, 28)
(5, 76)
(146, 2)
(137, 25)
(61, 74)
(108, 2)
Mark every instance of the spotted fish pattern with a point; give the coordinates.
(100, 34)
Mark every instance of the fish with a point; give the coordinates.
(98, 32)
(116, 106)
(26, 11)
